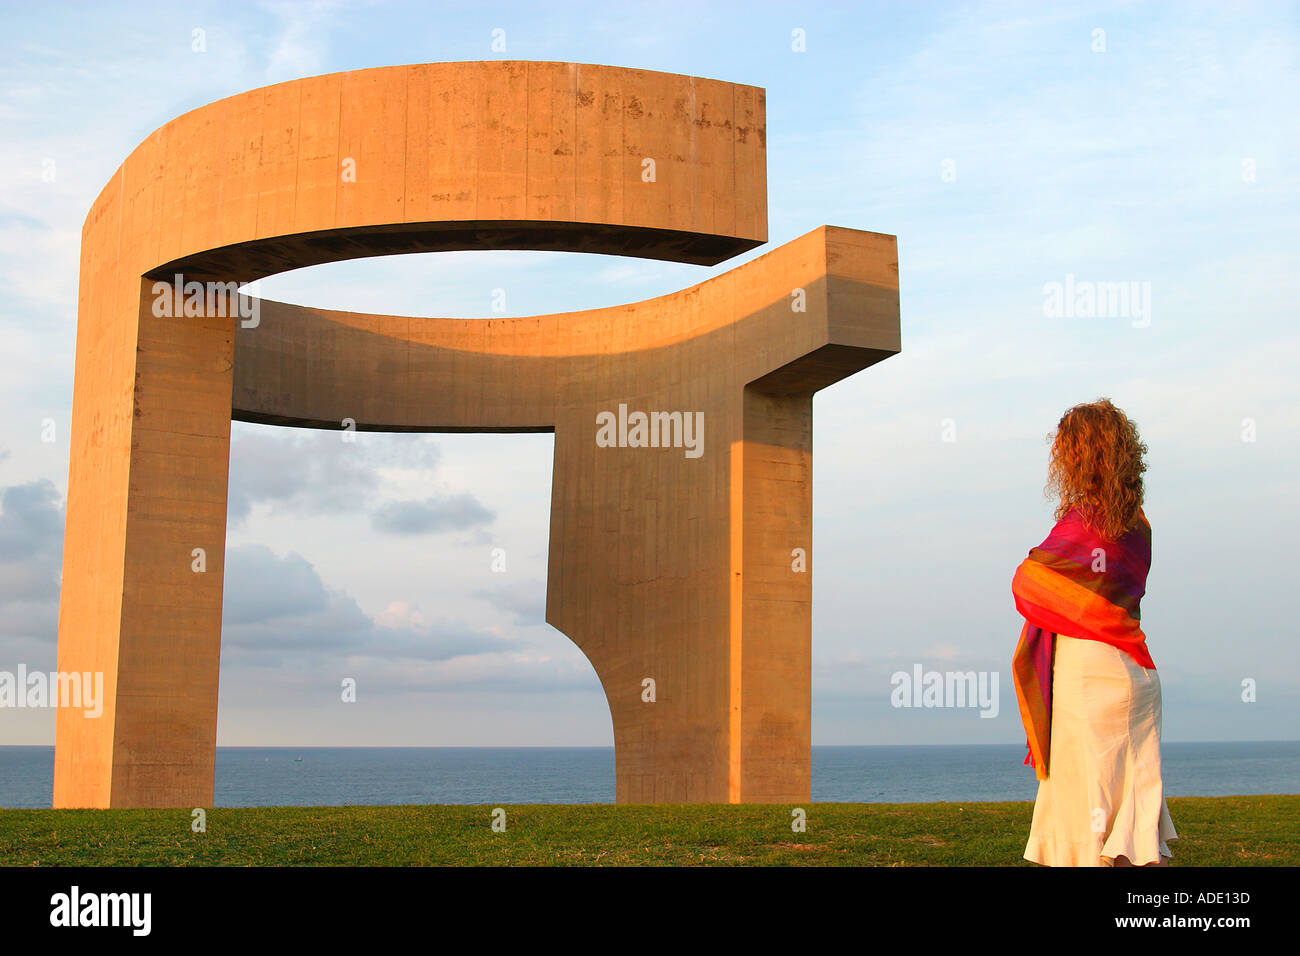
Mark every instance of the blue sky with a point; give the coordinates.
(1002, 146)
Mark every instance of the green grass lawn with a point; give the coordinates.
(1213, 831)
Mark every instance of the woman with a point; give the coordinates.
(1087, 688)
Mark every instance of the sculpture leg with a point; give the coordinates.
(680, 572)
(638, 579)
(144, 559)
(772, 646)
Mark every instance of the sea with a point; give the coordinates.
(340, 776)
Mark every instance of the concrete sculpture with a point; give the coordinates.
(678, 557)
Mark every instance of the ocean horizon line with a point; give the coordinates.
(329, 775)
(611, 746)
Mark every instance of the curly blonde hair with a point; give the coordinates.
(1096, 466)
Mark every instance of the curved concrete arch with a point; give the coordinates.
(667, 562)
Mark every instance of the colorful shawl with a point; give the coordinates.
(1078, 584)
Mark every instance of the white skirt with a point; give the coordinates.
(1103, 797)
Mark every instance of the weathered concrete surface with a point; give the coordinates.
(662, 565)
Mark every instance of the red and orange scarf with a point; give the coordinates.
(1081, 585)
